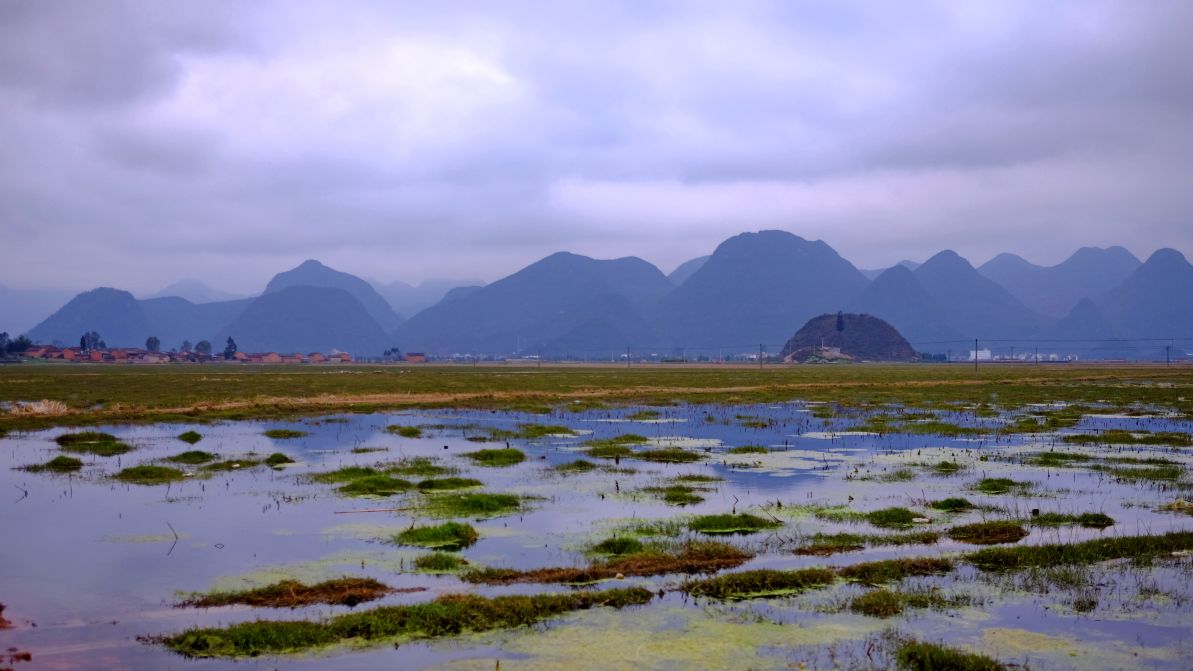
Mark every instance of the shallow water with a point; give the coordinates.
(95, 563)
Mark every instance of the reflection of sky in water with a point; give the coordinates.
(94, 562)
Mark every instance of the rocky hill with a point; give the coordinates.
(850, 337)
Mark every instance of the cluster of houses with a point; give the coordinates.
(136, 355)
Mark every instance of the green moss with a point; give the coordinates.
(891, 518)
(278, 459)
(284, 434)
(742, 523)
(996, 486)
(760, 583)
(1089, 552)
(447, 536)
(480, 504)
(668, 455)
(191, 437)
(449, 483)
(952, 505)
(59, 464)
(191, 457)
(405, 431)
(375, 485)
(449, 615)
(619, 545)
(498, 457)
(917, 656)
(988, 533)
(149, 475)
(748, 449)
(93, 442)
(439, 562)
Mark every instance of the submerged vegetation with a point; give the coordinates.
(294, 594)
(448, 536)
(284, 434)
(501, 457)
(741, 523)
(59, 464)
(150, 475)
(93, 442)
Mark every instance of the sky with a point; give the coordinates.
(143, 141)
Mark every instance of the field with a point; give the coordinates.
(458, 518)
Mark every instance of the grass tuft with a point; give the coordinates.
(498, 457)
(447, 536)
(988, 533)
(294, 594)
(149, 475)
(742, 523)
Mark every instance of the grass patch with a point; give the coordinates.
(643, 415)
(284, 434)
(888, 603)
(696, 477)
(1057, 459)
(891, 518)
(748, 449)
(1122, 437)
(405, 431)
(577, 466)
(619, 545)
(952, 504)
(190, 437)
(191, 457)
(278, 459)
(691, 557)
(760, 583)
(891, 570)
(1139, 548)
(375, 485)
(917, 656)
(447, 536)
(439, 562)
(498, 457)
(676, 495)
(93, 442)
(231, 465)
(829, 544)
(742, 523)
(149, 475)
(614, 448)
(294, 594)
(668, 455)
(1088, 520)
(995, 486)
(947, 468)
(988, 533)
(531, 432)
(448, 615)
(480, 504)
(1166, 472)
(421, 467)
(439, 484)
(346, 474)
(59, 464)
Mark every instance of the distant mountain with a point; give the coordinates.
(1055, 290)
(858, 337)
(460, 292)
(1155, 301)
(875, 272)
(22, 309)
(408, 300)
(311, 273)
(686, 270)
(176, 319)
(306, 319)
(195, 291)
(973, 305)
(755, 288)
(564, 303)
(899, 298)
(114, 314)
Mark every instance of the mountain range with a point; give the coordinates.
(755, 289)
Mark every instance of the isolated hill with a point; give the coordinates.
(195, 291)
(1155, 301)
(22, 309)
(542, 306)
(898, 297)
(174, 319)
(974, 305)
(408, 299)
(311, 273)
(1054, 290)
(306, 319)
(752, 288)
(859, 337)
(686, 270)
(116, 315)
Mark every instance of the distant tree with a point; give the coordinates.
(102, 345)
(186, 346)
(91, 340)
(840, 322)
(19, 345)
(230, 349)
(153, 344)
(4, 340)
(203, 347)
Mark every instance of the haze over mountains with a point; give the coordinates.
(754, 289)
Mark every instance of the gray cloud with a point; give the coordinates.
(145, 141)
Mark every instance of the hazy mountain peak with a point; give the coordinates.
(315, 274)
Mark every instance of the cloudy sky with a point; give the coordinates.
(142, 142)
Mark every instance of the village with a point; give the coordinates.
(134, 355)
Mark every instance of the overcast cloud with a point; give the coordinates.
(142, 142)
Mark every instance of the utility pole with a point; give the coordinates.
(975, 355)
(540, 364)
(1168, 356)
(1037, 355)
(627, 356)
(760, 355)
